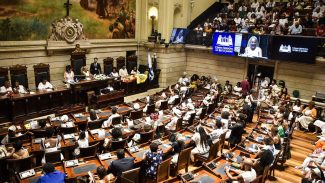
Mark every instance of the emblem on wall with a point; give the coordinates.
(67, 29)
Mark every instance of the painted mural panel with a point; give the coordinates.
(25, 20)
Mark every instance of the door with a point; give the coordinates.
(255, 71)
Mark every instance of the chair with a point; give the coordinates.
(191, 120)
(202, 115)
(163, 170)
(19, 165)
(222, 142)
(131, 176)
(151, 109)
(39, 133)
(210, 108)
(183, 161)
(265, 174)
(160, 131)
(53, 157)
(19, 73)
(120, 62)
(89, 151)
(179, 124)
(146, 137)
(212, 154)
(275, 162)
(68, 130)
(95, 124)
(136, 114)
(177, 101)
(108, 65)
(163, 105)
(115, 145)
(3, 75)
(78, 60)
(82, 126)
(116, 120)
(41, 71)
(131, 62)
(25, 138)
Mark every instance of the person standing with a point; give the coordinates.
(245, 85)
(95, 67)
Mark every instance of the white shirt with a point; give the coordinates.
(270, 4)
(172, 99)
(172, 124)
(264, 83)
(108, 122)
(123, 72)
(69, 76)
(295, 30)
(255, 5)
(21, 89)
(135, 72)
(47, 85)
(3, 89)
(237, 21)
(183, 81)
(242, 8)
(257, 52)
(114, 74)
(83, 143)
(283, 21)
(200, 147)
(249, 176)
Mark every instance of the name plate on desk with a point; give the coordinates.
(71, 163)
(69, 136)
(26, 174)
(105, 156)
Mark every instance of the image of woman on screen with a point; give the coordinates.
(253, 49)
(180, 37)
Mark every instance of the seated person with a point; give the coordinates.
(162, 98)
(83, 140)
(190, 110)
(92, 115)
(102, 177)
(137, 137)
(135, 71)
(108, 122)
(6, 88)
(19, 151)
(237, 89)
(247, 174)
(177, 145)
(51, 143)
(309, 116)
(172, 98)
(86, 72)
(44, 85)
(18, 88)
(171, 126)
(116, 136)
(236, 133)
(11, 133)
(114, 73)
(123, 72)
(121, 164)
(51, 175)
(68, 74)
(153, 158)
(183, 80)
(200, 139)
(150, 102)
(215, 134)
(295, 29)
(228, 88)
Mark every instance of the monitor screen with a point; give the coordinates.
(251, 45)
(223, 43)
(291, 48)
(178, 35)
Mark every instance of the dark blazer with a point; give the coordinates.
(121, 165)
(95, 69)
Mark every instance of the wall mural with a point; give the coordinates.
(25, 20)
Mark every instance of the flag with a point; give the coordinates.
(151, 74)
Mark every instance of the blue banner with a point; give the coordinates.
(223, 43)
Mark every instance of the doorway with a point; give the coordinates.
(265, 71)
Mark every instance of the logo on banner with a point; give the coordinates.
(223, 43)
(285, 48)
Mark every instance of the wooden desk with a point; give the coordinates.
(202, 174)
(80, 88)
(42, 102)
(39, 173)
(114, 97)
(88, 164)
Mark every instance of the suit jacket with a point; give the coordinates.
(121, 165)
(95, 69)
